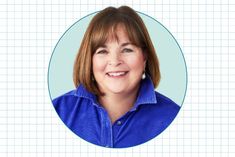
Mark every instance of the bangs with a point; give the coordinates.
(106, 29)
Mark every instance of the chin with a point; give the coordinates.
(117, 89)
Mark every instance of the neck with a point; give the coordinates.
(118, 104)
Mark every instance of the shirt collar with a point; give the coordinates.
(146, 94)
(84, 93)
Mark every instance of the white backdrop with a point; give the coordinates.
(29, 30)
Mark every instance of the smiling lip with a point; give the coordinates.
(117, 74)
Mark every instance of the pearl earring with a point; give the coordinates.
(92, 78)
(143, 76)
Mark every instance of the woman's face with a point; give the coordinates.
(118, 65)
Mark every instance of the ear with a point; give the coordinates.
(145, 63)
(145, 59)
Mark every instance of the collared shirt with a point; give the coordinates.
(149, 116)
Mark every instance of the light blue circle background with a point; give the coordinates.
(173, 69)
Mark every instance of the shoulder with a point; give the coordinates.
(65, 98)
(66, 102)
(159, 114)
(166, 104)
(79, 98)
(162, 99)
(74, 100)
(69, 104)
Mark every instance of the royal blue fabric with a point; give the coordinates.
(150, 115)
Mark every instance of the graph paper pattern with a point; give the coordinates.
(29, 125)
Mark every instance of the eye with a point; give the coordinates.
(127, 50)
(101, 52)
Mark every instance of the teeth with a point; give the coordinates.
(116, 74)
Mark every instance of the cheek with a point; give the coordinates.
(136, 63)
(98, 65)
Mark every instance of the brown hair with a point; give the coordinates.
(100, 28)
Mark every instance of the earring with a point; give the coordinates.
(92, 78)
(143, 76)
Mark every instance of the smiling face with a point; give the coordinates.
(118, 65)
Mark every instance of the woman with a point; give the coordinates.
(115, 73)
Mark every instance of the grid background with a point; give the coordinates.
(29, 30)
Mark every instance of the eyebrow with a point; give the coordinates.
(122, 45)
(125, 44)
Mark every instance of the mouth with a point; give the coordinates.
(117, 74)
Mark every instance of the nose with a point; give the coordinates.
(115, 59)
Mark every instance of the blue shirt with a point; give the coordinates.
(150, 115)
